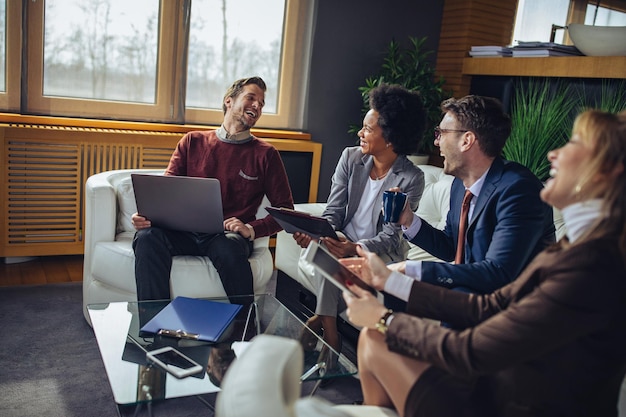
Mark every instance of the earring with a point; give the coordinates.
(577, 190)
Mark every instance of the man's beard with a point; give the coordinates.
(244, 122)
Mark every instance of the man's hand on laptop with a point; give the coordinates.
(140, 222)
(233, 224)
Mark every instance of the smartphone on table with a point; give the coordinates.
(174, 362)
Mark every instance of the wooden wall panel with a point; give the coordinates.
(467, 23)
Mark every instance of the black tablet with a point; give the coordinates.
(298, 221)
(332, 269)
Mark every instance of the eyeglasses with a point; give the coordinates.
(439, 131)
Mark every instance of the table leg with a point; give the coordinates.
(254, 308)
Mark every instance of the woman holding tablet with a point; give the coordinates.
(392, 129)
(551, 343)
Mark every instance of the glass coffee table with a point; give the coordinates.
(135, 381)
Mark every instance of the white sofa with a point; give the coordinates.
(433, 208)
(109, 261)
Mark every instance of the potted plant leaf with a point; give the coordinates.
(541, 116)
(411, 68)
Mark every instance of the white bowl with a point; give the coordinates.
(598, 40)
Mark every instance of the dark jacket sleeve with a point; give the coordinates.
(549, 307)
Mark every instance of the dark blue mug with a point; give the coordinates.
(393, 204)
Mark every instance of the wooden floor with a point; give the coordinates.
(45, 270)
(42, 270)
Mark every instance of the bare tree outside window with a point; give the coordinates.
(101, 49)
(231, 39)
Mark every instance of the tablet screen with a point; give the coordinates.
(335, 270)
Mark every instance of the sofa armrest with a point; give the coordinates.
(101, 208)
(100, 211)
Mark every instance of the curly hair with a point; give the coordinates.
(237, 87)
(401, 116)
(485, 117)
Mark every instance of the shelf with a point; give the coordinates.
(570, 66)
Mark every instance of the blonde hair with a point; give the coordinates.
(606, 133)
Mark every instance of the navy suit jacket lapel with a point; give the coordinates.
(491, 183)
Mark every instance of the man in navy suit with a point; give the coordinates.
(508, 223)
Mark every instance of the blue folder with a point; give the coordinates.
(193, 318)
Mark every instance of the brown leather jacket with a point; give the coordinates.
(553, 342)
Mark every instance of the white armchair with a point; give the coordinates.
(277, 362)
(109, 261)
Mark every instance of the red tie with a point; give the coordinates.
(460, 244)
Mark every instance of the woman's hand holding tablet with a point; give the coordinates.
(333, 270)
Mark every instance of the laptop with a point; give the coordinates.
(189, 204)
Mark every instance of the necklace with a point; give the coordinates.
(380, 177)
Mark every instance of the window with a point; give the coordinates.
(604, 16)
(102, 50)
(244, 38)
(164, 61)
(248, 37)
(537, 19)
(10, 62)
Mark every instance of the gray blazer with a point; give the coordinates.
(349, 181)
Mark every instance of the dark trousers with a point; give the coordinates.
(155, 247)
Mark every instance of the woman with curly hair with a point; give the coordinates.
(392, 128)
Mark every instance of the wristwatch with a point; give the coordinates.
(382, 324)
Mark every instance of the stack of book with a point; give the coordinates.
(525, 49)
(490, 51)
(529, 49)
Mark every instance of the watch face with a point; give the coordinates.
(382, 324)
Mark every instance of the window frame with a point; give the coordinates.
(293, 75)
(10, 99)
(174, 19)
(37, 103)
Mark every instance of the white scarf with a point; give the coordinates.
(579, 217)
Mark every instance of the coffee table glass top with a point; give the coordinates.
(134, 380)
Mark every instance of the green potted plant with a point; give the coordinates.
(542, 114)
(612, 97)
(410, 68)
(541, 117)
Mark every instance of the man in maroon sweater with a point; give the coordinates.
(248, 169)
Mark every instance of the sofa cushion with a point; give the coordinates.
(435, 201)
(126, 205)
(113, 264)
